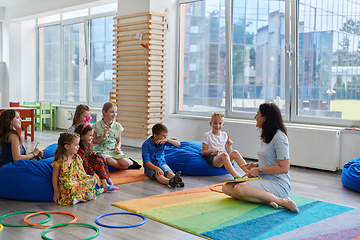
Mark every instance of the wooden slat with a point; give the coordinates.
(131, 78)
(146, 57)
(131, 23)
(141, 110)
(125, 49)
(134, 125)
(119, 52)
(127, 29)
(138, 115)
(131, 34)
(132, 83)
(133, 130)
(145, 121)
(130, 73)
(156, 79)
(140, 14)
(156, 74)
(134, 43)
(138, 63)
(139, 99)
(135, 104)
(124, 134)
(132, 68)
(149, 94)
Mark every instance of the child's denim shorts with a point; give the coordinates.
(151, 173)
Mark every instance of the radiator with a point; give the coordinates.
(314, 147)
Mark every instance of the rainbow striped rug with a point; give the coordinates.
(216, 216)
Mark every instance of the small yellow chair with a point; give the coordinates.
(45, 112)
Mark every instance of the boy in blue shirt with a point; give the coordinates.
(153, 156)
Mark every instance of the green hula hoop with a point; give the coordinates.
(64, 224)
(25, 225)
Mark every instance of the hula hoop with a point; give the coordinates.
(64, 224)
(40, 225)
(212, 188)
(130, 213)
(25, 225)
(1, 227)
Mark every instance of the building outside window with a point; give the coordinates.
(325, 64)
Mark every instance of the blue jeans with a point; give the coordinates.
(151, 173)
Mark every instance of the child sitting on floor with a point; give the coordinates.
(108, 137)
(81, 116)
(70, 181)
(94, 164)
(216, 147)
(153, 156)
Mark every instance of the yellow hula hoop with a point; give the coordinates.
(1, 227)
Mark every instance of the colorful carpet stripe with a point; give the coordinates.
(217, 216)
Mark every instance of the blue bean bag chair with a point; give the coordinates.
(27, 180)
(50, 152)
(350, 177)
(187, 159)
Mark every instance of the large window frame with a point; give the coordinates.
(65, 22)
(290, 113)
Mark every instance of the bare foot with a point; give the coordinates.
(290, 205)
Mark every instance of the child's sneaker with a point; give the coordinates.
(237, 176)
(181, 184)
(135, 164)
(175, 180)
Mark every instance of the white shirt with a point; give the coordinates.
(215, 142)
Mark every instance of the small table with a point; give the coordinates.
(37, 106)
(24, 113)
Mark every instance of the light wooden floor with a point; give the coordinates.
(315, 184)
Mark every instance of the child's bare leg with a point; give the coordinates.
(162, 179)
(122, 163)
(98, 180)
(239, 159)
(224, 159)
(103, 182)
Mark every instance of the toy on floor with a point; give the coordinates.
(127, 213)
(43, 233)
(25, 225)
(40, 225)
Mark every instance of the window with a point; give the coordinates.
(75, 57)
(101, 58)
(264, 53)
(49, 63)
(328, 59)
(203, 41)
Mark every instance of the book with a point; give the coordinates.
(241, 179)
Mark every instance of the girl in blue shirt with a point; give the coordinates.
(11, 147)
(273, 165)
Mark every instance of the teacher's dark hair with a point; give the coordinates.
(272, 123)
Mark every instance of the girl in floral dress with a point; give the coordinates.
(70, 181)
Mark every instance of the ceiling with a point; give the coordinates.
(9, 3)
